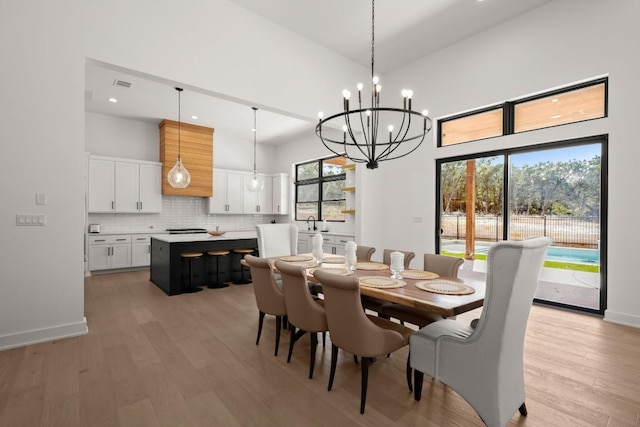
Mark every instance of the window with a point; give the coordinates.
(319, 192)
(572, 104)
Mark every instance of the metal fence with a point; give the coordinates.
(570, 231)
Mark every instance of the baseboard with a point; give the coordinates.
(622, 319)
(42, 335)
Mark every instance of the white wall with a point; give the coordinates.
(556, 44)
(42, 134)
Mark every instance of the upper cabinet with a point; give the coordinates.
(259, 202)
(124, 186)
(227, 192)
(230, 194)
(280, 194)
(196, 151)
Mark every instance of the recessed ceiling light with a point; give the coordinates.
(554, 100)
(194, 117)
(113, 100)
(556, 116)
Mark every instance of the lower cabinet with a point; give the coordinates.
(115, 251)
(140, 251)
(332, 244)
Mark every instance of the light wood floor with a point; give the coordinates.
(191, 360)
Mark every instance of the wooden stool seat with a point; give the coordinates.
(242, 252)
(217, 254)
(190, 256)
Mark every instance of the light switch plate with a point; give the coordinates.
(31, 219)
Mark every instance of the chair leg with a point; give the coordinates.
(314, 344)
(278, 319)
(523, 410)
(365, 378)
(292, 340)
(324, 339)
(260, 321)
(334, 360)
(409, 372)
(417, 384)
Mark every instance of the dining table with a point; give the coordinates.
(444, 295)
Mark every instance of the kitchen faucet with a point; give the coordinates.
(314, 223)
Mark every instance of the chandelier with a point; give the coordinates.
(361, 141)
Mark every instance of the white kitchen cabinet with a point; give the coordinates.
(334, 244)
(101, 185)
(140, 251)
(227, 192)
(280, 194)
(109, 252)
(259, 202)
(124, 186)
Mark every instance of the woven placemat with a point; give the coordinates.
(339, 271)
(446, 287)
(371, 266)
(296, 258)
(381, 282)
(334, 260)
(419, 275)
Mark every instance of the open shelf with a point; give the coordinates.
(349, 211)
(349, 167)
(349, 189)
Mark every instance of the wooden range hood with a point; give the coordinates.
(196, 150)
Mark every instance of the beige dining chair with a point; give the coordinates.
(304, 312)
(485, 365)
(440, 264)
(355, 332)
(364, 253)
(269, 297)
(276, 240)
(408, 256)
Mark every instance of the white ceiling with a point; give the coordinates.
(404, 32)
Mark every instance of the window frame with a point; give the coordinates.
(509, 107)
(319, 181)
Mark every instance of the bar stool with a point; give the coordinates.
(218, 254)
(242, 252)
(190, 256)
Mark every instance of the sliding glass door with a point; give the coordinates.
(556, 192)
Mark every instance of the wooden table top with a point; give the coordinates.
(412, 296)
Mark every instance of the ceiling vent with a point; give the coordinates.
(118, 82)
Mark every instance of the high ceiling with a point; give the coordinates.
(404, 32)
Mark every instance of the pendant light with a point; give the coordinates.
(256, 184)
(179, 176)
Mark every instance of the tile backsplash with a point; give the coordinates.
(191, 212)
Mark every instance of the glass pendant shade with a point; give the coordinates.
(256, 184)
(179, 176)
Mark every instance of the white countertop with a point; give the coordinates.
(328, 233)
(204, 237)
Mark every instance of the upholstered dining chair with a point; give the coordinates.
(354, 331)
(408, 256)
(269, 296)
(364, 253)
(304, 312)
(435, 263)
(485, 365)
(277, 240)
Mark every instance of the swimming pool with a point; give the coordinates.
(554, 253)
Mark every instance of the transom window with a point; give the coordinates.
(572, 104)
(319, 185)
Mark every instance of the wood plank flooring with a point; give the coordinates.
(191, 360)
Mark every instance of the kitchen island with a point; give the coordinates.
(167, 267)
